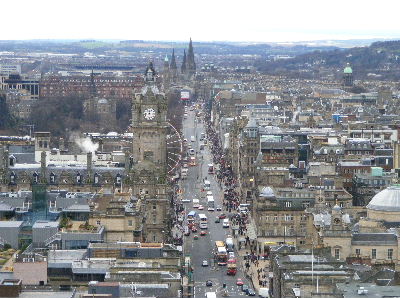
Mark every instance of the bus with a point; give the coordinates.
(207, 185)
(191, 216)
(210, 203)
(210, 168)
(220, 253)
(203, 221)
(229, 244)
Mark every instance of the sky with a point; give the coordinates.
(203, 20)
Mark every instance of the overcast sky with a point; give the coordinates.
(203, 20)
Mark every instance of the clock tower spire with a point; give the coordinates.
(148, 173)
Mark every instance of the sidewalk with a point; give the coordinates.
(257, 270)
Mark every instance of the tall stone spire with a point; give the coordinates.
(172, 64)
(191, 64)
(172, 67)
(183, 67)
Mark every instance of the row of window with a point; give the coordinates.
(389, 255)
(78, 178)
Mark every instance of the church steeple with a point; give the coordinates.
(183, 67)
(172, 64)
(191, 64)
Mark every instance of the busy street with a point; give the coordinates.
(207, 177)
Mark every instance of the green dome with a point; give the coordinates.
(347, 69)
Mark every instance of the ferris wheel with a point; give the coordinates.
(174, 148)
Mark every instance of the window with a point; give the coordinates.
(154, 220)
(154, 207)
(98, 222)
(337, 253)
(358, 251)
(373, 254)
(288, 204)
(275, 217)
(130, 223)
(390, 253)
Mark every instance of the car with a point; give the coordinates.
(222, 216)
(219, 208)
(186, 201)
(204, 263)
(209, 283)
(231, 255)
(239, 282)
(194, 229)
(201, 207)
(187, 233)
(250, 292)
(245, 288)
(203, 233)
(210, 209)
(196, 237)
(217, 220)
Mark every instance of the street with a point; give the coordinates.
(203, 248)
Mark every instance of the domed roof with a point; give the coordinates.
(102, 101)
(267, 192)
(348, 69)
(386, 200)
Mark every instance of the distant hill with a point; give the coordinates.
(380, 60)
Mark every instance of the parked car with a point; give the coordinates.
(219, 208)
(209, 283)
(245, 288)
(203, 233)
(217, 220)
(239, 282)
(222, 216)
(204, 263)
(201, 207)
(250, 292)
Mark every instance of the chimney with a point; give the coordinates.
(89, 164)
(43, 166)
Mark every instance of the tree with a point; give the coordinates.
(58, 114)
(6, 119)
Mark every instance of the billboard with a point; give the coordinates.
(185, 95)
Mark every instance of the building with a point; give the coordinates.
(348, 80)
(107, 87)
(148, 171)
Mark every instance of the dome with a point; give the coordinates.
(102, 101)
(267, 192)
(348, 69)
(386, 200)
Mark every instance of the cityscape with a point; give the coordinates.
(160, 165)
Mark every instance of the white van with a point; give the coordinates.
(225, 223)
(196, 203)
(192, 139)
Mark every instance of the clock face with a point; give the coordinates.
(149, 114)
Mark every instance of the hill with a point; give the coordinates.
(381, 60)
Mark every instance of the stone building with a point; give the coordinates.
(148, 173)
(107, 87)
(348, 79)
(371, 240)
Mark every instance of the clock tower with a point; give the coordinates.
(148, 170)
(149, 122)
